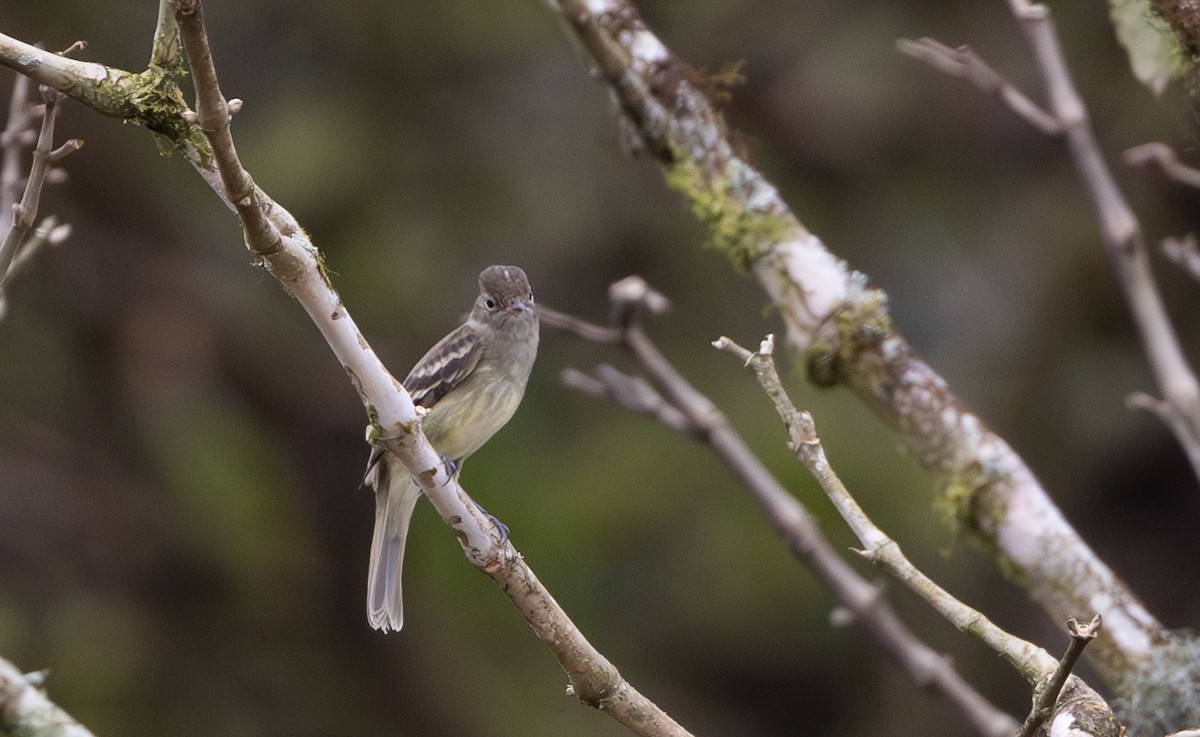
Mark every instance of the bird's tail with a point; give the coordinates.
(396, 495)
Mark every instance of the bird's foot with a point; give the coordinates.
(503, 528)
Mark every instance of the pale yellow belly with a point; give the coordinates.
(469, 416)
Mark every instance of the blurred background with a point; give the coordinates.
(183, 542)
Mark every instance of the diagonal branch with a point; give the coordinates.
(25, 709)
(667, 396)
(24, 213)
(1081, 634)
(964, 63)
(1086, 711)
(18, 136)
(842, 328)
(19, 241)
(292, 259)
(1184, 252)
(166, 51)
(1160, 156)
(274, 236)
(1119, 227)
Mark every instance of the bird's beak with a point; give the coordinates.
(519, 305)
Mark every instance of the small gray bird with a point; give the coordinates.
(471, 383)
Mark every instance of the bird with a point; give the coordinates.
(470, 384)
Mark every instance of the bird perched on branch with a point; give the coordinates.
(470, 383)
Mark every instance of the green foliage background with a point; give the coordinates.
(182, 540)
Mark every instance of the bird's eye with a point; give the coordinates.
(531, 296)
(491, 303)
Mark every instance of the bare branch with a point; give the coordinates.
(964, 63)
(1160, 156)
(569, 323)
(1032, 662)
(274, 235)
(633, 394)
(49, 232)
(212, 117)
(1119, 227)
(25, 709)
(1120, 230)
(16, 247)
(150, 98)
(24, 213)
(18, 135)
(670, 399)
(101, 88)
(1185, 252)
(1047, 697)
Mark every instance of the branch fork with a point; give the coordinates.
(1119, 227)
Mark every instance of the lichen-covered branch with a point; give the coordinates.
(25, 710)
(147, 98)
(843, 328)
(1183, 20)
(166, 51)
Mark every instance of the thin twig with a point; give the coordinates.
(24, 213)
(581, 328)
(1120, 230)
(1157, 155)
(633, 394)
(49, 232)
(213, 116)
(669, 398)
(1185, 252)
(1119, 227)
(1032, 662)
(964, 63)
(18, 136)
(811, 288)
(1043, 705)
(17, 245)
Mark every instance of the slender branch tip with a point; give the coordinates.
(632, 294)
(79, 45)
(1084, 630)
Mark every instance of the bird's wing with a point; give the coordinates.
(444, 366)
